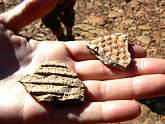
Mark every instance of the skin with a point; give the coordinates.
(110, 92)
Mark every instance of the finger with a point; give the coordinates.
(79, 51)
(26, 12)
(128, 88)
(110, 111)
(95, 70)
(137, 51)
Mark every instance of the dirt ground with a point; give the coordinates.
(142, 20)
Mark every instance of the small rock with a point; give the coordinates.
(96, 20)
(140, 13)
(144, 39)
(134, 3)
(144, 27)
(89, 30)
(129, 13)
(116, 13)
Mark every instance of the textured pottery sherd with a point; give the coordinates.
(54, 82)
(112, 49)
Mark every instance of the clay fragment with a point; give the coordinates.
(54, 82)
(112, 49)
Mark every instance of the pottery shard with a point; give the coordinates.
(112, 49)
(54, 82)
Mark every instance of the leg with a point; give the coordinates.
(52, 21)
(68, 20)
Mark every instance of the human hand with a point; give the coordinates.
(110, 92)
(26, 12)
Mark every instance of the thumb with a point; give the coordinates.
(26, 12)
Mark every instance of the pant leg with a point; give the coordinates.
(53, 21)
(68, 19)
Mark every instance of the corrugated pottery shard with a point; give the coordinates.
(54, 82)
(112, 49)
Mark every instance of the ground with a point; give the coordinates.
(142, 20)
